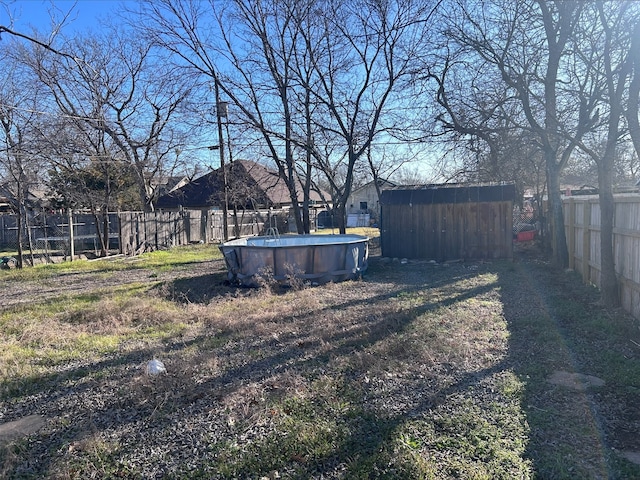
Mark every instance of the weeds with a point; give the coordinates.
(292, 278)
(266, 281)
(160, 259)
(400, 375)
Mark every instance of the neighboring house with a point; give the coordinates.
(250, 185)
(36, 199)
(364, 201)
(5, 205)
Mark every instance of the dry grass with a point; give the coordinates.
(417, 371)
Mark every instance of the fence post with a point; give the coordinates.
(72, 247)
(586, 242)
(204, 237)
(186, 223)
(571, 237)
(120, 235)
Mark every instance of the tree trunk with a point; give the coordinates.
(558, 236)
(608, 279)
(340, 215)
(28, 231)
(104, 243)
(290, 180)
(306, 188)
(295, 207)
(306, 217)
(102, 227)
(19, 233)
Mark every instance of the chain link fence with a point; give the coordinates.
(526, 224)
(46, 237)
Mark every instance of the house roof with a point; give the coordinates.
(382, 183)
(250, 185)
(36, 197)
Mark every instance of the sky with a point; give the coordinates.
(29, 14)
(82, 16)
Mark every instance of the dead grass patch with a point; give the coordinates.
(416, 371)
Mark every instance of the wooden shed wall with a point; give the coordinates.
(448, 231)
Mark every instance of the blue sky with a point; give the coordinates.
(28, 14)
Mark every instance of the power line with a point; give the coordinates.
(49, 114)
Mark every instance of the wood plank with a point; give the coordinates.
(586, 242)
(571, 226)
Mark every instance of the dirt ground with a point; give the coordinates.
(76, 283)
(616, 408)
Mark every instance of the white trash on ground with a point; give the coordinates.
(155, 367)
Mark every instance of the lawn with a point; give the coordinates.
(418, 370)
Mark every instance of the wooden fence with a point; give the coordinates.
(135, 232)
(143, 231)
(582, 228)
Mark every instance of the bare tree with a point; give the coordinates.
(529, 45)
(627, 167)
(632, 112)
(272, 31)
(21, 127)
(254, 73)
(86, 174)
(20, 102)
(361, 53)
(479, 112)
(117, 86)
(606, 35)
(311, 77)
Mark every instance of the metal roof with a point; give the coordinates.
(447, 193)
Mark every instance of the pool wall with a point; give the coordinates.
(314, 258)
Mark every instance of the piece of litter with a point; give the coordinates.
(155, 367)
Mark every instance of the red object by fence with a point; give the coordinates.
(525, 236)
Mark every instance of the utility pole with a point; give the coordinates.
(221, 111)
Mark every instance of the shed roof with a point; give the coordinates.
(447, 193)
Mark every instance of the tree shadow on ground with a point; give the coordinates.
(571, 434)
(120, 408)
(252, 360)
(198, 289)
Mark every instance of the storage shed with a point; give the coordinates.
(447, 222)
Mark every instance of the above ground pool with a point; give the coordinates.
(316, 258)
